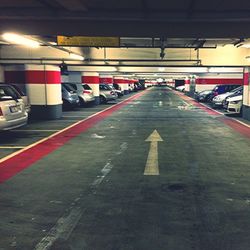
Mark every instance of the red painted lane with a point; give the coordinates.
(194, 103)
(244, 130)
(26, 158)
(240, 128)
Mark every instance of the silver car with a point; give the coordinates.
(12, 108)
(84, 92)
(107, 93)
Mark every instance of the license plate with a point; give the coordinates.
(14, 109)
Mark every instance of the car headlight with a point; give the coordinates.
(235, 102)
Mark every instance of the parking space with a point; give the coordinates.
(36, 130)
(92, 189)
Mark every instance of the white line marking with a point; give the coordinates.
(243, 123)
(61, 131)
(12, 147)
(35, 130)
(211, 108)
(66, 224)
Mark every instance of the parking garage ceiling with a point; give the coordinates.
(131, 18)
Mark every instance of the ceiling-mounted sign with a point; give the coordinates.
(88, 41)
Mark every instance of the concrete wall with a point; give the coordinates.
(1, 74)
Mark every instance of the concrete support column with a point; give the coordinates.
(93, 80)
(120, 81)
(107, 79)
(42, 84)
(246, 94)
(126, 82)
(187, 85)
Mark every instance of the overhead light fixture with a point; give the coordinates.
(161, 69)
(21, 40)
(76, 57)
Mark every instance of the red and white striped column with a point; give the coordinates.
(121, 82)
(107, 79)
(93, 80)
(42, 84)
(187, 84)
(246, 94)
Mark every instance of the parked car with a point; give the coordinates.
(221, 89)
(107, 93)
(208, 95)
(235, 104)
(203, 96)
(23, 96)
(12, 108)
(180, 88)
(117, 89)
(84, 92)
(69, 96)
(219, 99)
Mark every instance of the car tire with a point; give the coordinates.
(82, 102)
(103, 100)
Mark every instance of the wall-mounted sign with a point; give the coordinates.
(88, 41)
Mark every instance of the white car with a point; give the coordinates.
(181, 88)
(235, 104)
(219, 99)
(12, 108)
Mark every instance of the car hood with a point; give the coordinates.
(235, 98)
(205, 92)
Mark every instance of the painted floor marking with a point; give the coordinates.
(12, 147)
(35, 130)
(235, 124)
(67, 223)
(17, 161)
(152, 165)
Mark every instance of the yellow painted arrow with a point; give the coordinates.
(152, 165)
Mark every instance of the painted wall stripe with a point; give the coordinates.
(91, 79)
(15, 163)
(33, 77)
(219, 81)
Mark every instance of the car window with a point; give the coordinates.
(105, 87)
(18, 89)
(8, 91)
(68, 87)
(86, 87)
(73, 86)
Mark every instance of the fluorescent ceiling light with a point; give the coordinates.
(161, 69)
(21, 40)
(75, 56)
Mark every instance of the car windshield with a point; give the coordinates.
(7, 91)
(105, 87)
(68, 87)
(236, 90)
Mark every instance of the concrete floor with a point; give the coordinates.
(91, 192)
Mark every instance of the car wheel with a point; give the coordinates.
(103, 99)
(82, 102)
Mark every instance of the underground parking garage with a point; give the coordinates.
(124, 125)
